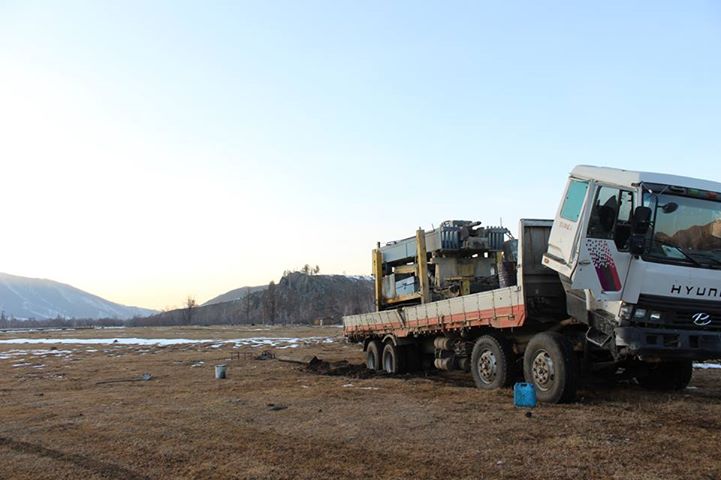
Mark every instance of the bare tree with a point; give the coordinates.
(316, 270)
(270, 302)
(189, 309)
(247, 305)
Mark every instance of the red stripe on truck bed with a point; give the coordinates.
(499, 317)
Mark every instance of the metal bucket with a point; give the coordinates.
(220, 371)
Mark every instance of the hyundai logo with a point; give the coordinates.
(701, 319)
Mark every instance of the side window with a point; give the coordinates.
(625, 209)
(572, 204)
(611, 216)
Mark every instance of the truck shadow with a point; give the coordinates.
(705, 387)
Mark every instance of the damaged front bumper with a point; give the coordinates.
(664, 343)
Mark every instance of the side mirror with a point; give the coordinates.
(641, 220)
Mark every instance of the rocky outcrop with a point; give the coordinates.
(298, 298)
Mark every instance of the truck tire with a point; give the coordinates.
(667, 376)
(550, 364)
(492, 362)
(373, 355)
(393, 359)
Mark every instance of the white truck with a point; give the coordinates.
(625, 280)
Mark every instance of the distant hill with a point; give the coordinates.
(237, 294)
(24, 298)
(297, 298)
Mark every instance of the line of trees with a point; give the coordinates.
(8, 322)
(305, 270)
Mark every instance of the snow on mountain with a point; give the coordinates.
(23, 297)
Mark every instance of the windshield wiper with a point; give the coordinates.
(709, 256)
(693, 260)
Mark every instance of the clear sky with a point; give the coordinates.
(151, 150)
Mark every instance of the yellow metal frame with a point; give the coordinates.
(422, 266)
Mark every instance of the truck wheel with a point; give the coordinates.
(393, 359)
(373, 355)
(667, 376)
(491, 362)
(550, 364)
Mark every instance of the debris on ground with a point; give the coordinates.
(344, 368)
(143, 378)
(275, 407)
(265, 355)
(304, 360)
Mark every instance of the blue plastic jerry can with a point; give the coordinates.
(524, 395)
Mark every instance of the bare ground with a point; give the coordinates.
(85, 414)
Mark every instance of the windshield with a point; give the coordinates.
(685, 229)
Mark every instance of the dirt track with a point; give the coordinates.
(271, 419)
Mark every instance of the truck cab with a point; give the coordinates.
(639, 257)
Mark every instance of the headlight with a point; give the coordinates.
(625, 311)
(654, 317)
(639, 314)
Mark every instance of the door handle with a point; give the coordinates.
(584, 262)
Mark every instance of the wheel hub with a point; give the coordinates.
(487, 367)
(544, 373)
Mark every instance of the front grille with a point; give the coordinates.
(678, 312)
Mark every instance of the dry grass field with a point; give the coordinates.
(83, 411)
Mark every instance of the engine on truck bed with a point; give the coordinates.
(458, 258)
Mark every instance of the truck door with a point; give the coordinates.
(604, 257)
(563, 241)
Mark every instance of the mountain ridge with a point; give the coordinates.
(297, 298)
(42, 299)
(235, 294)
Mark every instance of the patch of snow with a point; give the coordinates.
(14, 330)
(706, 366)
(239, 342)
(104, 341)
(22, 353)
(360, 277)
(49, 352)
